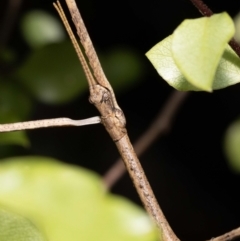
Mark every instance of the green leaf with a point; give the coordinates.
(161, 57)
(7, 56)
(17, 228)
(69, 202)
(232, 144)
(198, 45)
(14, 106)
(53, 74)
(227, 73)
(123, 67)
(40, 28)
(14, 138)
(11, 98)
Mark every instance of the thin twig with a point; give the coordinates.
(48, 123)
(235, 46)
(159, 126)
(235, 233)
(202, 7)
(8, 21)
(207, 12)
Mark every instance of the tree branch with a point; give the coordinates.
(207, 12)
(235, 233)
(202, 7)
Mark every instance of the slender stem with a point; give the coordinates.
(235, 233)
(159, 126)
(47, 123)
(206, 11)
(235, 46)
(202, 7)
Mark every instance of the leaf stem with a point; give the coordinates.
(235, 233)
(202, 7)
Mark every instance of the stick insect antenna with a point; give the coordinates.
(78, 50)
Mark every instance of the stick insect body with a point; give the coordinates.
(112, 117)
(111, 114)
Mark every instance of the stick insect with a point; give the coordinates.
(112, 117)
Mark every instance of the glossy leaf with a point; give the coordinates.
(17, 228)
(197, 46)
(232, 144)
(40, 28)
(161, 57)
(53, 74)
(227, 73)
(69, 202)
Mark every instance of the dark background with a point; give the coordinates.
(187, 168)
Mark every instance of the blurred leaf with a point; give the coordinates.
(69, 202)
(232, 144)
(197, 47)
(14, 138)
(123, 67)
(53, 74)
(129, 219)
(14, 106)
(228, 71)
(8, 150)
(17, 228)
(40, 28)
(237, 27)
(7, 56)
